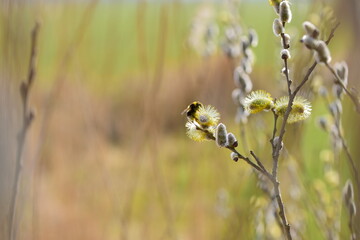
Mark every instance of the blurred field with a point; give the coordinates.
(107, 156)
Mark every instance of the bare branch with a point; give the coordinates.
(28, 117)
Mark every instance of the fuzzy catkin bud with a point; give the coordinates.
(244, 43)
(348, 192)
(309, 42)
(246, 65)
(249, 55)
(335, 109)
(221, 135)
(242, 80)
(234, 156)
(337, 90)
(232, 142)
(231, 50)
(283, 71)
(323, 91)
(322, 54)
(323, 123)
(285, 12)
(237, 96)
(352, 209)
(277, 27)
(253, 38)
(342, 71)
(241, 115)
(311, 30)
(339, 106)
(285, 54)
(231, 34)
(286, 41)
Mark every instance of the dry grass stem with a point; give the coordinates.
(28, 117)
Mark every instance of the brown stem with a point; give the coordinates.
(282, 214)
(351, 227)
(246, 159)
(28, 117)
(286, 46)
(348, 154)
(275, 128)
(332, 33)
(258, 160)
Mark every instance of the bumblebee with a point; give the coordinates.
(275, 2)
(192, 109)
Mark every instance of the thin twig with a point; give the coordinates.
(269, 193)
(259, 166)
(351, 160)
(257, 160)
(347, 152)
(246, 159)
(332, 33)
(275, 127)
(28, 117)
(351, 227)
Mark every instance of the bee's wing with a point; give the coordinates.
(183, 112)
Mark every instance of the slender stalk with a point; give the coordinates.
(246, 159)
(27, 118)
(273, 203)
(257, 166)
(351, 161)
(351, 227)
(274, 128)
(258, 160)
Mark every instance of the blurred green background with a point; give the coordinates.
(107, 156)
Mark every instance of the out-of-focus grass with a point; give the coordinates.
(110, 49)
(114, 36)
